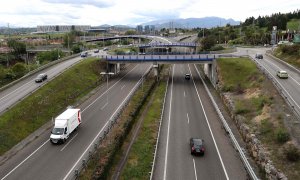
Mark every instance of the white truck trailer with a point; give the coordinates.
(64, 125)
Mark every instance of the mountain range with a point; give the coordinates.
(205, 22)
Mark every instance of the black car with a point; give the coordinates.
(41, 77)
(187, 76)
(259, 56)
(197, 146)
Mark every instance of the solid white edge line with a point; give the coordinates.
(69, 142)
(169, 119)
(195, 169)
(279, 68)
(15, 90)
(101, 130)
(123, 87)
(184, 93)
(107, 90)
(24, 160)
(223, 166)
(48, 140)
(187, 116)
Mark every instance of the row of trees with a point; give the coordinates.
(251, 32)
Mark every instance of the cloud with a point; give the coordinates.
(96, 3)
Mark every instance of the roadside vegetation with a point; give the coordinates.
(255, 98)
(289, 53)
(104, 162)
(47, 102)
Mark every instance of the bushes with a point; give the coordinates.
(282, 136)
(291, 153)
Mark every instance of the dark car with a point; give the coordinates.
(197, 146)
(259, 56)
(96, 50)
(187, 76)
(41, 77)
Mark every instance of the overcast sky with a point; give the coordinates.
(30, 13)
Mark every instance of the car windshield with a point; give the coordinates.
(198, 143)
(40, 76)
(57, 131)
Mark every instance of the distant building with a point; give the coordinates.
(139, 29)
(62, 28)
(149, 29)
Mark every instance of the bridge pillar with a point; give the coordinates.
(115, 68)
(210, 70)
(155, 69)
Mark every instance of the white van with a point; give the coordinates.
(282, 74)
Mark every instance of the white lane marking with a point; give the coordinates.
(24, 160)
(184, 93)
(48, 140)
(69, 142)
(107, 90)
(66, 177)
(223, 166)
(188, 119)
(104, 106)
(167, 148)
(195, 169)
(280, 68)
(123, 87)
(274, 77)
(15, 90)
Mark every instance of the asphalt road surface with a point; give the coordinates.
(42, 160)
(189, 113)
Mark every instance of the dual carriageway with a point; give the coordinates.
(188, 113)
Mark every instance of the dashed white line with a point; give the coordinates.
(69, 142)
(211, 133)
(188, 119)
(184, 93)
(195, 169)
(104, 106)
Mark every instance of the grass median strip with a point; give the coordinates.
(47, 102)
(139, 161)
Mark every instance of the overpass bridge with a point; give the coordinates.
(153, 45)
(208, 60)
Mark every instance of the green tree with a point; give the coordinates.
(76, 48)
(19, 48)
(19, 70)
(208, 42)
(130, 32)
(49, 55)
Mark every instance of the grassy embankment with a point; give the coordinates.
(289, 54)
(47, 102)
(139, 161)
(258, 101)
(104, 163)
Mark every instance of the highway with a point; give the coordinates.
(189, 113)
(291, 86)
(42, 160)
(13, 94)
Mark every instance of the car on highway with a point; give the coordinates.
(197, 146)
(41, 77)
(282, 74)
(84, 54)
(259, 56)
(187, 76)
(96, 50)
(105, 49)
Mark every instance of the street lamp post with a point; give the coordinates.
(107, 74)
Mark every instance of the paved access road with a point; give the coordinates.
(13, 94)
(42, 160)
(189, 113)
(290, 87)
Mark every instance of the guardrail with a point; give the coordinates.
(158, 133)
(37, 70)
(286, 96)
(231, 135)
(96, 142)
